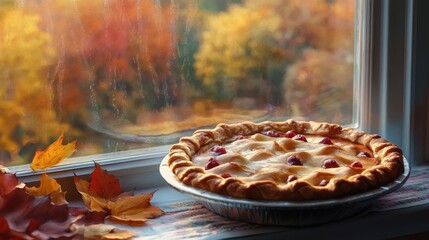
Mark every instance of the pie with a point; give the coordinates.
(290, 161)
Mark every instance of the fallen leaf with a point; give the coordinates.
(54, 154)
(47, 186)
(87, 217)
(104, 184)
(8, 183)
(121, 206)
(134, 208)
(31, 217)
(58, 197)
(103, 231)
(4, 226)
(90, 199)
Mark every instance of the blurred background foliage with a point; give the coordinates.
(112, 73)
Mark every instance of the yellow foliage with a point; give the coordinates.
(25, 53)
(248, 37)
(236, 41)
(10, 117)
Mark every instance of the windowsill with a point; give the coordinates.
(374, 225)
(404, 223)
(138, 170)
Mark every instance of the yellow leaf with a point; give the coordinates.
(47, 186)
(54, 154)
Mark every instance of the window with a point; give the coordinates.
(137, 75)
(83, 66)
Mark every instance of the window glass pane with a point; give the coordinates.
(118, 75)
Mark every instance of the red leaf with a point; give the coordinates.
(8, 183)
(4, 226)
(88, 217)
(104, 184)
(27, 215)
(103, 194)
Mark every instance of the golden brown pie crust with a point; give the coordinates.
(265, 177)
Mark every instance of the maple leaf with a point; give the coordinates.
(8, 183)
(90, 198)
(104, 193)
(54, 154)
(48, 187)
(25, 216)
(104, 184)
(134, 208)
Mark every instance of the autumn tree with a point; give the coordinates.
(319, 84)
(252, 47)
(237, 49)
(116, 58)
(27, 112)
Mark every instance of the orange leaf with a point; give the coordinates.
(91, 201)
(54, 154)
(104, 193)
(47, 186)
(58, 197)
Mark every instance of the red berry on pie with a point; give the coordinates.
(212, 163)
(326, 141)
(323, 183)
(239, 137)
(356, 164)
(364, 154)
(272, 133)
(291, 178)
(300, 137)
(226, 175)
(294, 160)
(330, 163)
(290, 134)
(218, 150)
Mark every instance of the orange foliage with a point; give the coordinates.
(123, 45)
(54, 154)
(103, 193)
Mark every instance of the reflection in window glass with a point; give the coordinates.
(117, 75)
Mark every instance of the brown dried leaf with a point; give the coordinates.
(134, 209)
(103, 231)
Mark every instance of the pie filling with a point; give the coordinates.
(282, 160)
(285, 161)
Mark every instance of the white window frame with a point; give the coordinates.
(384, 64)
(395, 91)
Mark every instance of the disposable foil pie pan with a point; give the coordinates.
(284, 213)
